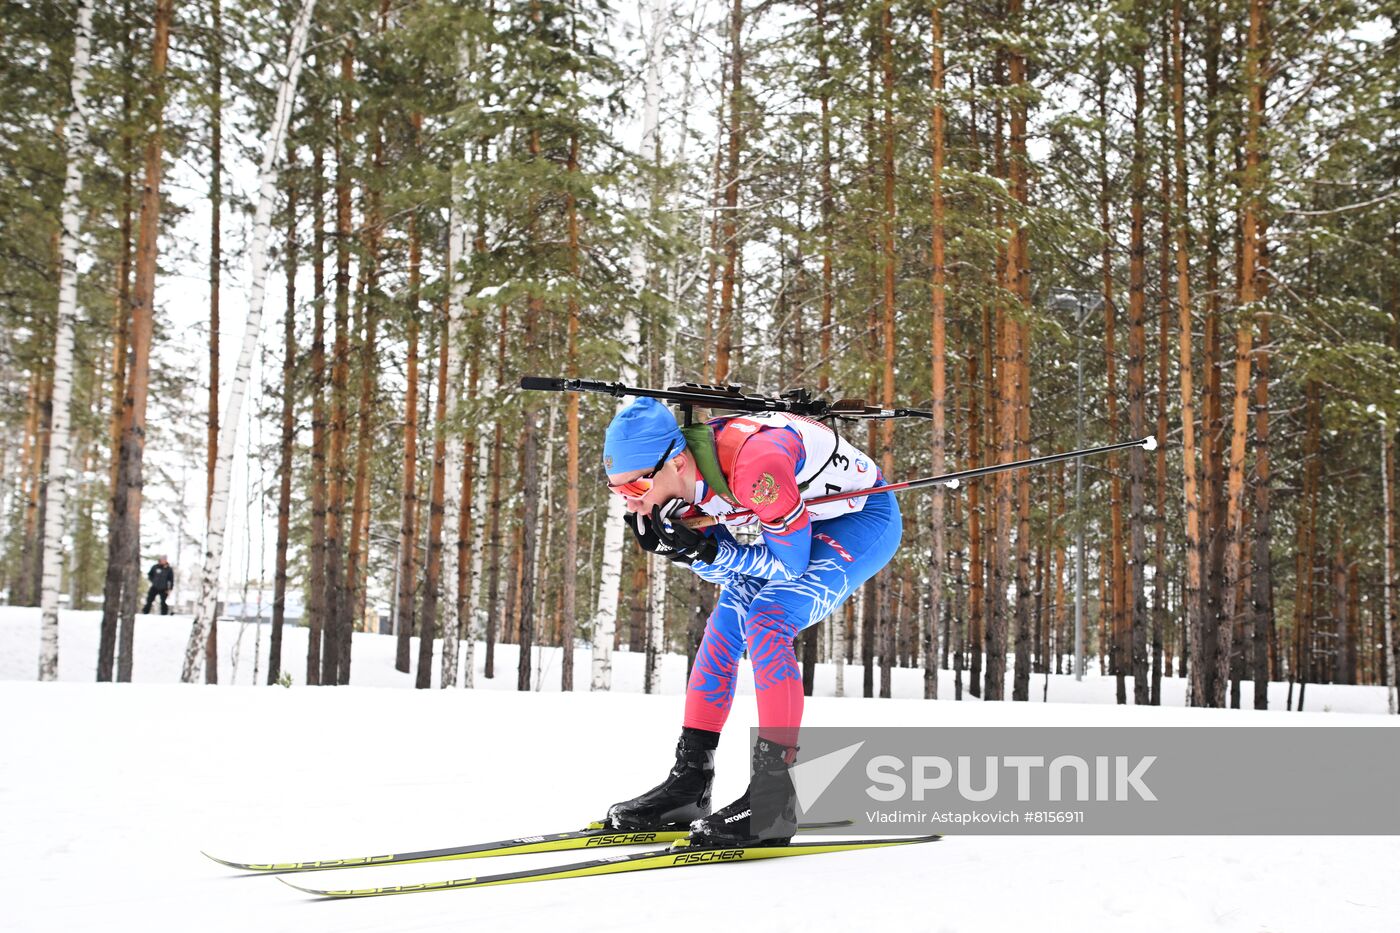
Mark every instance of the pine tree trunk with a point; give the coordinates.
(937, 556)
(529, 448)
(569, 597)
(216, 201)
(339, 604)
(975, 560)
(408, 519)
(31, 471)
(356, 584)
(959, 584)
(869, 616)
(1261, 577)
(75, 131)
(1388, 483)
(1114, 555)
(205, 609)
(888, 267)
(1212, 485)
(121, 313)
(317, 608)
(124, 539)
(1191, 497)
(1244, 339)
(529, 465)
(497, 465)
(427, 616)
(1002, 429)
(1137, 380)
(1307, 520)
(1018, 272)
(727, 303)
(284, 468)
(1164, 309)
(1063, 635)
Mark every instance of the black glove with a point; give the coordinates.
(644, 530)
(683, 540)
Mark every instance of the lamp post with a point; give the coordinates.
(1065, 299)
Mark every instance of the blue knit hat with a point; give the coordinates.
(639, 435)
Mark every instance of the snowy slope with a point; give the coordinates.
(109, 792)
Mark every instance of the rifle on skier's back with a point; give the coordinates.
(691, 395)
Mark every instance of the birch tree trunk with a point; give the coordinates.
(452, 504)
(656, 632)
(216, 268)
(651, 148)
(610, 573)
(474, 623)
(452, 482)
(75, 130)
(458, 244)
(258, 260)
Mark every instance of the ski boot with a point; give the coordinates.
(770, 793)
(682, 797)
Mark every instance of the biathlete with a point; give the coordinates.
(810, 560)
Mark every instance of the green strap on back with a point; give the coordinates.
(700, 441)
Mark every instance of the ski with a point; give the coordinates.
(596, 835)
(678, 855)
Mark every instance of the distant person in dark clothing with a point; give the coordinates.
(162, 577)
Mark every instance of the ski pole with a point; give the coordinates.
(951, 480)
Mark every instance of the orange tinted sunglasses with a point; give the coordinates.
(636, 488)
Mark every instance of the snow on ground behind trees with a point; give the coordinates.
(372, 665)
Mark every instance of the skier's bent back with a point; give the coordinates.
(810, 561)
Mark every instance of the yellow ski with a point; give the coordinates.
(678, 855)
(595, 836)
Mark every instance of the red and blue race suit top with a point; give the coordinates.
(769, 461)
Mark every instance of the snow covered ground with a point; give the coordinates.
(109, 792)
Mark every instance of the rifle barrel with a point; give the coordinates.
(951, 480)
